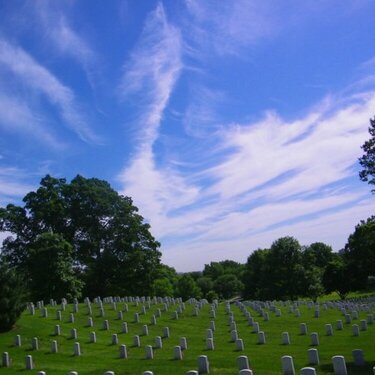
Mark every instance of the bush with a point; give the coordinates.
(12, 297)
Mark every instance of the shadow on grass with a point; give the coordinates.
(352, 368)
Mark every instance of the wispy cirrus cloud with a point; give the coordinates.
(227, 26)
(150, 76)
(34, 76)
(276, 175)
(17, 116)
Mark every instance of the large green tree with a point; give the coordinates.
(113, 249)
(359, 253)
(367, 161)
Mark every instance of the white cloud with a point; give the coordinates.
(36, 77)
(228, 26)
(278, 178)
(16, 116)
(332, 229)
(154, 68)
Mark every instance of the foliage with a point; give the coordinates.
(336, 277)
(50, 269)
(227, 286)
(367, 161)
(187, 288)
(12, 297)
(359, 253)
(113, 249)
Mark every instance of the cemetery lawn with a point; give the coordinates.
(103, 356)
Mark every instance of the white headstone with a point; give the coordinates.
(177, 352)
(285, 338)
(358, 357)
(308, 371)
(123, 351)
(54, 346)
(313, 356)
(29, 362)
(287, 365)
(149, 354)
(339, 365)
(5, 360)
(242, 362)
(203, 365)
(77, 349)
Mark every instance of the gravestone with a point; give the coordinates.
(287, 365)
(243, 362)
(355, 328)
(255, 327)
(314, 339)
(210, 345)
(245, 372)
(363, 324)
(123, 352)
(93, 337)
(124, 327)
(339, 325)
(145, 330)
(308, 371)
(234, 336)
(54, 346)
(106, 325)
(166, 333)
(18, 341)
(29, 362)
(329, 329)
(183, 343)
(240, 345)
(339, 365)
(73, 334)
(313, 356)
(35, 343)
(177, 352)
(77, 349)
(5, 360)
(203, 365)
(136, 341)
(285, 340)
(158, 342)
(114, 339)
(149, 354)
(358, 357)
(71, 318)
(261, 338)
(90, 322)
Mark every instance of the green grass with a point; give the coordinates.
(103, 356)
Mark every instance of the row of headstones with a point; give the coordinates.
(74, 335)
(345, 306)
(338, 362)
(259, 308)
(180, 309)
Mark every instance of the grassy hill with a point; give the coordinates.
(103, 356)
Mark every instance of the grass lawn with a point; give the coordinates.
(103, 356)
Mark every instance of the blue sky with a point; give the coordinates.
(229, 123)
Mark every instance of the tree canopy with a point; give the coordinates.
(100, 233)
(367, 161)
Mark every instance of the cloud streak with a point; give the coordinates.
(40, 80)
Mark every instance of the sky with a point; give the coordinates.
(229, 123)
